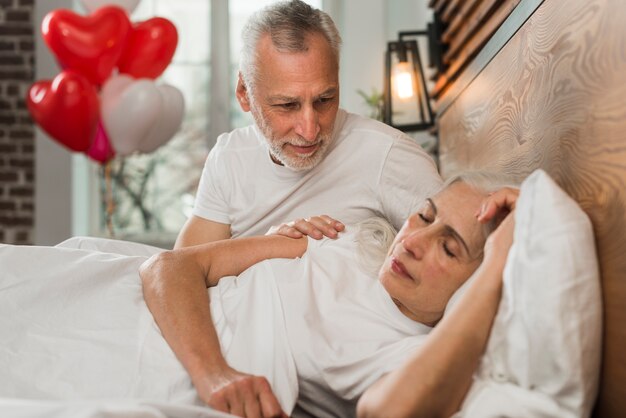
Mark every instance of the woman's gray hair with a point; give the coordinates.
(374, 237)
(288, 23)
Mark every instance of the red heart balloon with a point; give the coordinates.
(149, 48)
(90, 45)
(67, 108)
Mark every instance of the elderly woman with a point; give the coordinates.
(342, 332)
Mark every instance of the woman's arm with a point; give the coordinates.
(435, 379)
(174, 286)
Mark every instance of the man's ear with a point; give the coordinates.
(242, 94)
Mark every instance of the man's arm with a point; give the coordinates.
(198, 230)
(174, 286)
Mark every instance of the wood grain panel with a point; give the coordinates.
(555, 98)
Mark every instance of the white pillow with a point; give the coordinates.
(543, 355)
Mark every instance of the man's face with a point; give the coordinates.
(295, 101)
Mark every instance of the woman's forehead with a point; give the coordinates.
(459, 191)
(457, 205)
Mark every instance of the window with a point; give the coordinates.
(148, 197)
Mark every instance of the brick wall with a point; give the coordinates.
(17, 153)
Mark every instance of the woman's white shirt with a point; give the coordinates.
(320, 320)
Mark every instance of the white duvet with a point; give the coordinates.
(79, 343)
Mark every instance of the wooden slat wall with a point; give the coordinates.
(554, 97)
(438, 5)
(468, 25)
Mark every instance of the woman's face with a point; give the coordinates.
(435, 252)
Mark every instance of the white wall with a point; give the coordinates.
(405, 15)
(363, 29)
(409, 15)
(53, 163)
(366, 26)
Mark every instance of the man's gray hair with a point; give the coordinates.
(288, 23)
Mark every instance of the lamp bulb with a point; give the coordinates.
(403, 81)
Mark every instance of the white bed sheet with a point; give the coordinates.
(79, 341)
(104, 408)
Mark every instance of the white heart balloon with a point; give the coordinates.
(138, 115)
(168, 123)
(93, 5)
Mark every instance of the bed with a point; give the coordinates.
(548, 90)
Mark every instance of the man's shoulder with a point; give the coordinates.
(365, 127)
(238, 140)
(373, 137)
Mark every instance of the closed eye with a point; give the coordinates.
(449, 253)
(425, 219)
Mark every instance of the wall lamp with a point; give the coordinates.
(407, 104)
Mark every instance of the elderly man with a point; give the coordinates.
(304, 156)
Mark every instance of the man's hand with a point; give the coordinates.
(240, 394)
(316, 227)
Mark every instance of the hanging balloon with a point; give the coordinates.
(93, 5)
(66, 108)
(138, 115)
(164, 128)
(149, 48)
(100, 149)
(90, 45)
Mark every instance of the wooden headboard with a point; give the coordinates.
(549, 91)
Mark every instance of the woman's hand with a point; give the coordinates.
(316, 227)
(499, 208)
(239, 394)
(498, 205)
(499, 243)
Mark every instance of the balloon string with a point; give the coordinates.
(110, 206)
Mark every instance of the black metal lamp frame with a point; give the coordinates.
(402, 47)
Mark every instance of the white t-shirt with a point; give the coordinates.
(371, 169)
(342, 331)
